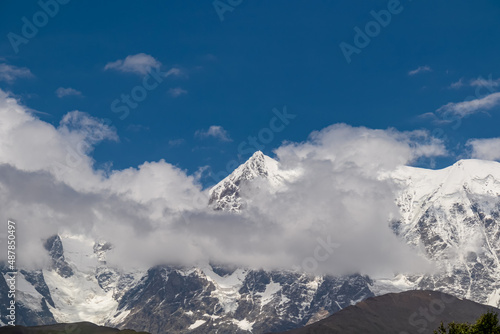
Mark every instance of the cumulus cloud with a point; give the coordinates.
(420, 69)
(62, 92)
(214, 131)
(467, 108)
(157, 213)
(140, 63)
(10, 73)
(486, 149)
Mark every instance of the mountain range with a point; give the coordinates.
(449, 216)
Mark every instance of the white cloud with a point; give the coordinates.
(488, 83)
(420, 69)
(176, 92)
(9, 73)
(457, 84)
(486, 149)
(214, 131)
(175, 71)
(140, 63)
(62, 92)
(157, 213)
(466, 108)
(176, 142)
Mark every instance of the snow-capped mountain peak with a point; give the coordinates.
(451, 216)
(226, 194)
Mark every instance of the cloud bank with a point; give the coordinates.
(156, 213)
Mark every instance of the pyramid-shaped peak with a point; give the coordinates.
(258, 164)
(226, 194)
(258, 155)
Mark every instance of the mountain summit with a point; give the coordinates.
(226, 195)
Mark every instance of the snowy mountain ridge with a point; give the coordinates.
(451, 215)
(226, 195)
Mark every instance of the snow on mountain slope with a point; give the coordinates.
(452, 216)
(79, 297)
(226, 288)
(226, 195)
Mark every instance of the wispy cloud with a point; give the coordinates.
(488, 83)
(9, 73)
(458, 84)
(466, 108)
(176, 92)
(176, 72)
(215, 131)
(420, 69)
(176, 142)
(487, 149)
(140, 63)
(62, 92)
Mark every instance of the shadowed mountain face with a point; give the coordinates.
(399, 313)
(76, 328)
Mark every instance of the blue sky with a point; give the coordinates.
(222, 79)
